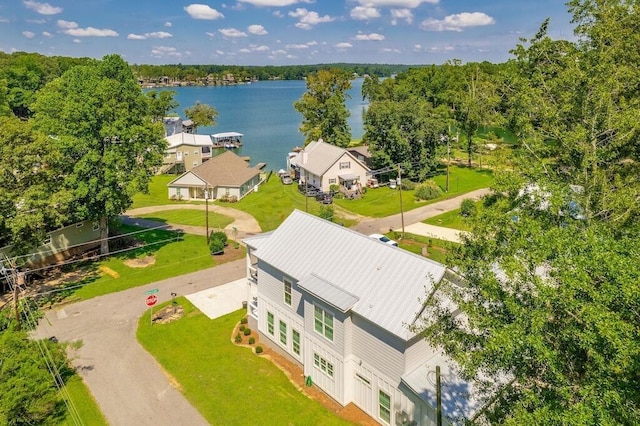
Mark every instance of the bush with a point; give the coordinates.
(326, 212)
(216, 246)
(242, 327)
(252, 340)
(428, 190)
(247, 331)
(220, 235)
(467, 207)
(258, 349)
(238, 338)
(334, 188)
(244, 320)
(407, 185)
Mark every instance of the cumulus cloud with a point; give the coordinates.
(146, 36)
(232, 32)
(307, 19)
(72, 28)
(162, 51)
(202, 11)
(409, 4)
(168, 24)
(210, 34)
(401, 15)
(47, 34)
(457, 22)
(364, 13)
(274, 3)
(372, 36)
(257, 30)
(42, 8)
(28, 34)
(254, 48)
(297, 46)
(343, 45)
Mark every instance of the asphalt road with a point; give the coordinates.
(126, 381)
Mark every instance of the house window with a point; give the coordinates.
(323, 365)
(323, 323)
(186, 153)
(287, 292)
(295, 337)
(283, 333)
(384, 407)
(47, 240)
(332, 181)
(270, 322)
(345, 165)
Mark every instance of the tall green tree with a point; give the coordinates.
(201, 115)
(323, 108)
(99, 120)
(546, 306)
(161, 103)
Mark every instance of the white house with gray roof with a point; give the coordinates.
(321, 165)
(340, 304)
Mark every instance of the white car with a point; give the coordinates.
(384, 239)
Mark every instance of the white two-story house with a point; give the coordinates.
(340, 304)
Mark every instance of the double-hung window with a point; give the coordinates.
(283, 333)
(295, 337)
(384, 406)
(287, 292)
(323, 322)
(270, 323)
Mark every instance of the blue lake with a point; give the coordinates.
(263, 112)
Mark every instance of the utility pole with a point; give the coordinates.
(399, 183)
(438, 398)
(206, 209)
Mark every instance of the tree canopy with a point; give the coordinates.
(201, 115)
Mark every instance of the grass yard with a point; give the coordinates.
(274, 201)
(437, 250)
(83, 402)
(384, 201)
(158, 193)
(171, 258)
(190, 217)
(452, 219)
(228, 384)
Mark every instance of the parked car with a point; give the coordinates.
(286, 179)
(384, 239)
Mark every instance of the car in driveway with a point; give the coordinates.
(286, 179)
(384, 239)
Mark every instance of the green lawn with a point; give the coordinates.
(452, 219)
(383, 201)
(190, 217)
(86, 407)
(172, 258)
(437, 250)
(158, 193)
(228, 384)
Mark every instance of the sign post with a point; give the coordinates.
(151, 300)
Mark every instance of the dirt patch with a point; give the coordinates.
(296, 376)
(168, 314)
(141, 262)
(230, 254)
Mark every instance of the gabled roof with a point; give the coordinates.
(381, 283)
(226, 169)
(319, 156)
(182, 138)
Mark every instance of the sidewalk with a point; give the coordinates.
(439, 232)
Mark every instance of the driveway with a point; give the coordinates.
(126, 381)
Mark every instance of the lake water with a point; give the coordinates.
(263, 112)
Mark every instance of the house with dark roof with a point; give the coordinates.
(224, 176)
(341, 305)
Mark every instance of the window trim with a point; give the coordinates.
(288, 295)
(322, 364)
(270, 323)
(283, 332)
(295, 342)
(381, 407)
(320, 325)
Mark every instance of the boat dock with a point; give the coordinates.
(228, 140)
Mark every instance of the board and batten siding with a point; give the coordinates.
(292, 321)
(271, 285)
(377, 347)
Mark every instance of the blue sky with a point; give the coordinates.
(278, 32)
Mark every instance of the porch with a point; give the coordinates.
(350, 186)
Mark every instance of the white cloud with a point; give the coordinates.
(72, 28)
(36, 21)
(390, 50)
(401, 15)
(257, 30)
(28, 34)
(4, 20)
(168, 24)
(219, 52)
(307, 19)
(232, 32)
(457, 22)
(47, 34)
(364, 13)
(297, 46)
(202, 11)
(42, 8)
(145, 36)
(343, 45)
(77, 40)
(273, 3)
(312, 43)
(410, 4)
(161, 51)
(372, 36)
(210, 34)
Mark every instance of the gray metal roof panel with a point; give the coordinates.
(389, 281)
(329, 292)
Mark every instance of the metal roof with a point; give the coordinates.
(330, 293)
(389, 282)
(178, 139)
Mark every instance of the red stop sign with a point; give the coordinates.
(151, 300)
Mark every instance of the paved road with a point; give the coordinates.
(127, 383)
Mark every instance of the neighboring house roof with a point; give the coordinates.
(226, 169)
(319, 156)
(349, 270)
(361, 149)
(182, 138)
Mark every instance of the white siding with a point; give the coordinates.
(188, 179)
(337, 344)
(378, 348)
(271, 285)
(417, 352)
(333, 386)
